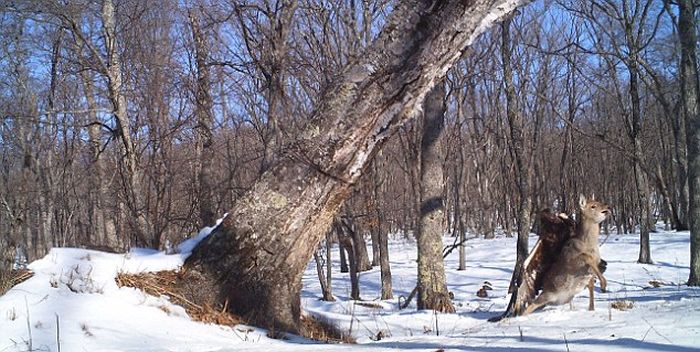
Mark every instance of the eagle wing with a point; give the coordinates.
(554, 231)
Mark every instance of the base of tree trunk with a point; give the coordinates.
(438, 301)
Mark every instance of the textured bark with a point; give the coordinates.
(258, 254)
(432, 293)
(205, 121)
(690, 97)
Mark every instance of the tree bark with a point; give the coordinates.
(256, 257)
(432, 293)
(690, 96)
(204, 144)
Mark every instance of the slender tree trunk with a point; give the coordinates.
(359, 247)
(132, 188)
(328, 293)
(432, 286)
(382, 236)
(343, 257)
(256, 257)
(517, 144)
(640, 178)
(204, 172)
(375, 245)
(346, 239)
(690, 97)
(324, 278)
(385, 267)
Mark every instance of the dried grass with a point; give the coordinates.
(622, 305)
(13, 278)
(168, 283)
(320, 330)
(173, 284)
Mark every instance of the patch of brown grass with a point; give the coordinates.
(176, 286)
(317, 329)
(622, 305)
(169, 283)
(12, 278)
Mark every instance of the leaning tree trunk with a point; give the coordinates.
(690, 96)
(432, 288)
(256, 257)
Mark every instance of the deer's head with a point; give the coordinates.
(592, 210)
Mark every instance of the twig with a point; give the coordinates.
(520, 329)
(58, 334)
(651, 327)
(29, 325)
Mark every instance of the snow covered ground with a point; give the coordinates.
(73, 301)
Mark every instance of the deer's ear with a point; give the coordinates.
(581, 201)
(593, 197)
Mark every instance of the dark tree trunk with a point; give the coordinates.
(343, 257)
(345, 238)
(256, 257)
(374, 232)
(359, 246)
(517, 145)
(690, 97)
(325, 278)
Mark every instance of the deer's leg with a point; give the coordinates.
(593, 264)
(590, 294)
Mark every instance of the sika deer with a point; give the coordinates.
(578, 262)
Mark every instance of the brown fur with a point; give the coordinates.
(578, 262)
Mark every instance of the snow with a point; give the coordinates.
(77, 288)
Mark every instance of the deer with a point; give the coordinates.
(579, 262)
